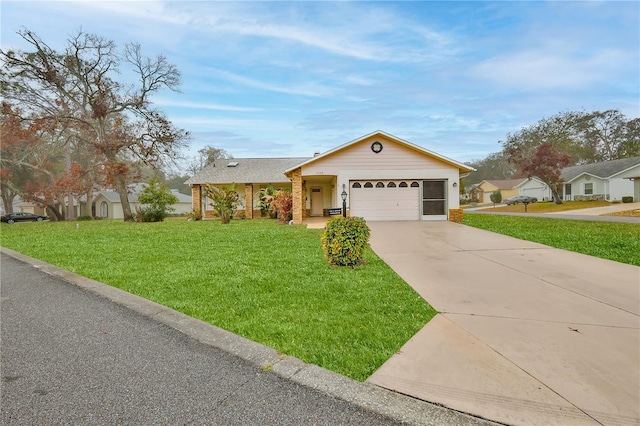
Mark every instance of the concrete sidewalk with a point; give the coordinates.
(526, 334)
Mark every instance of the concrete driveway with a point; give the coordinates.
(526, 334)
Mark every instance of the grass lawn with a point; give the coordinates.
(548, 207)
(608, 240)
(259, 279)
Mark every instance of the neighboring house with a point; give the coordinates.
(382, 177)
(607, 180)
(636, 186)
(533, 187)
(507, 188)
(108, 206)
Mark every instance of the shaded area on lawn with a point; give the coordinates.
(607, 240)
(259, 279)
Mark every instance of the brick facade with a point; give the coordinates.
(455, 215)
(196, 197)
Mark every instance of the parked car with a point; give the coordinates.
(520, 199)
(22, 217)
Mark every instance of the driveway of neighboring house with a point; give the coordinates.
(527, 334)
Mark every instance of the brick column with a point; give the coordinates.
(196, 198)
(298, 196)
(248, 200)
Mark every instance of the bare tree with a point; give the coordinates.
(77, 87)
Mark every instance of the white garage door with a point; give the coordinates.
(385, 199)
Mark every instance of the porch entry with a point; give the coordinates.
(317, 206)
(434, 199)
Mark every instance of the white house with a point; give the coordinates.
(108, 206)
(607, 180)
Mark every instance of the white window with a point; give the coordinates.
(104, 209)
(588, 188)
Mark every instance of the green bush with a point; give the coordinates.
(627, 199)
(496, 197)
(344, 240)
(157, 198)
(149, 214)
(83, 218)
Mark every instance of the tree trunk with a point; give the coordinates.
(556, 195)
(70, 214)
(7, 201)
(121, 188)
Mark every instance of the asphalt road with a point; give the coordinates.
(75, 351)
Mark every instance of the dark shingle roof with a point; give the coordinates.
(247, 170)
(604, 169)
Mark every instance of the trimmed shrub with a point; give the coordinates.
(344, 241)
(627, 199)
(149, 214)
(83, 218)
(496, 197)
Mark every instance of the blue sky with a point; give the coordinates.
(278, 79)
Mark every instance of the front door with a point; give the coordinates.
(317, 207)
(434, 199)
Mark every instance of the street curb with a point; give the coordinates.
(395, 406)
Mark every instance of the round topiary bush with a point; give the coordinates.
(344, 240)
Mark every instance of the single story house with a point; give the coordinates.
(533, 187)
(607, 180)
(381, 176)
(108, 206)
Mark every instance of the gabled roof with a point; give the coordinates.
(602, 170)
(462, 167)
(245, 170)
(506, 183)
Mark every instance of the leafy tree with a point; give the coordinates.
(602, 133)
(546, 164)
(207, 155)
(494, 166)
(158, 199)
(563, 131)
(496, 197)
(77, 88)
(225, 200)
(630, 147)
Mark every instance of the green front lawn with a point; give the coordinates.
(259, 279)
(549, 207)
(608, 240)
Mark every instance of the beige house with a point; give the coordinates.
(382, 177)
(507, 187)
